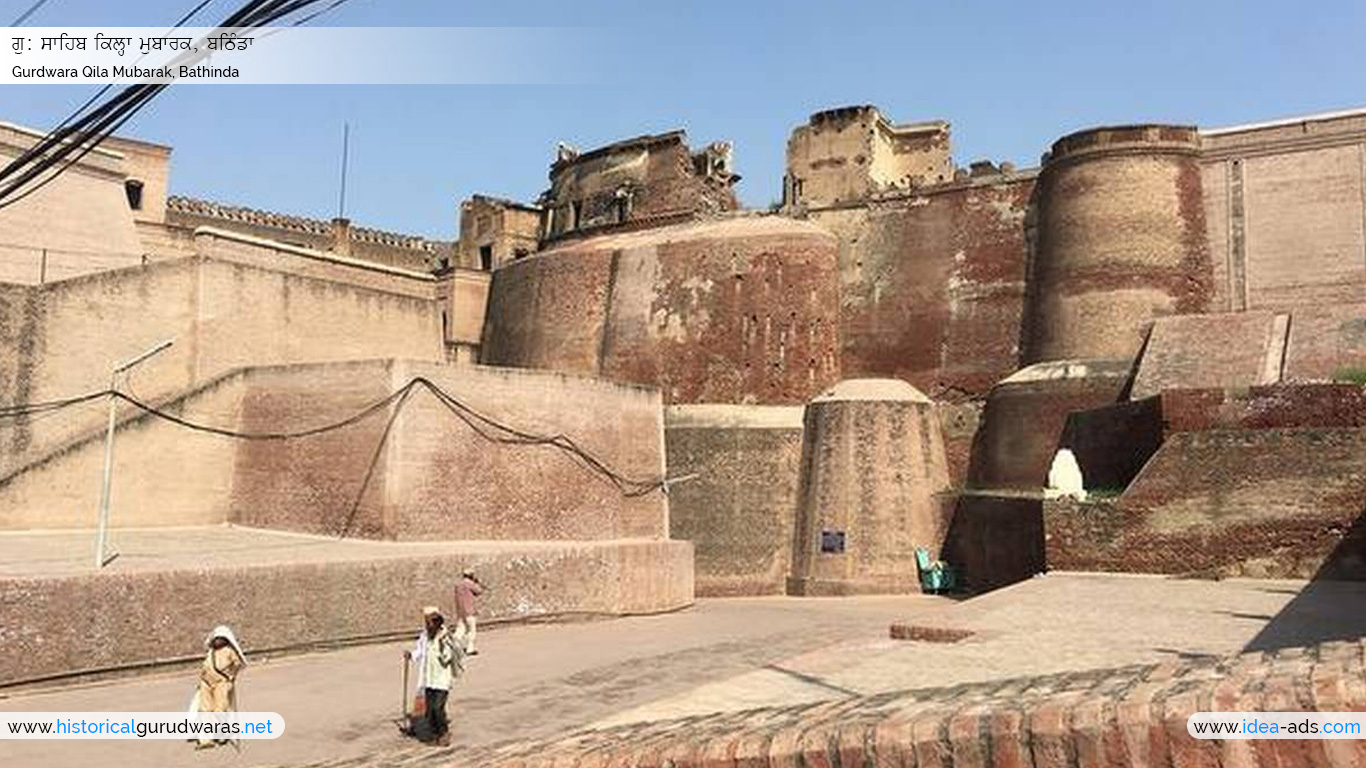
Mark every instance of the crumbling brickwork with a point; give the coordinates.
(739, 310)
(1127, 716)
(654, 178)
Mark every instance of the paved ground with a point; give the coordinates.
(724, 654)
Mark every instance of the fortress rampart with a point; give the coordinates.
(1121, 240)
(737, 310)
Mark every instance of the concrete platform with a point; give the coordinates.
(170, 586)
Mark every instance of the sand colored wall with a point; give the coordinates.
(434, 478)
(509, 230)
(462, 297)
(63, 338)
(932, 284)
(81, 219)
(1285, 206)
(161, 475)
(738, 310)
(149, 164)
(739, 511)
(847, 154)
(1121, 241)
(338, 236)
(873, 467)
(293, 605)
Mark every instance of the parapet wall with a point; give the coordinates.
(736, 310)
(1121, 240)
(292, 604)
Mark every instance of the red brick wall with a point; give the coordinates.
(1130, 716)
(1282, 503)
(932, 286)
(1271, 407)
(731, 311)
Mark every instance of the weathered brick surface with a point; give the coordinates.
(739, 310)
(873, 469)
(932, 284)
(1025, 415)
(1224, 350)
(1121, 241)
(1116, 718)
(1261, 503)
(155, 615)
(739, 505)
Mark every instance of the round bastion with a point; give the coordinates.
(741, 309)
(873, 489)
(1121, 240)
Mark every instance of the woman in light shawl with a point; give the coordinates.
(217, 691)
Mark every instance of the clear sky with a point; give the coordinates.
(1010, 76)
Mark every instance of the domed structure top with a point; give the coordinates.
(872, 389)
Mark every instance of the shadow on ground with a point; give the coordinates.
(1332, 606)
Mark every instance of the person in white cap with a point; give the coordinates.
(439, 659)
(217, 691)
(467, 593)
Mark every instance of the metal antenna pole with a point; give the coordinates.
(346, 146)
(102, 528)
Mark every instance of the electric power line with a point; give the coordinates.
(486, 427)
(81, 132)
(32, 10)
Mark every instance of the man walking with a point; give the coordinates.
(439, 660)
(467, 592)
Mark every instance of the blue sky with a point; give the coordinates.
(1011, 77)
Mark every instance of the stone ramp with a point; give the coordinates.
(1127, 716)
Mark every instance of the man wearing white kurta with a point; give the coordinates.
(439, 659)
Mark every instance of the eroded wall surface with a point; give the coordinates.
(739, 310)
(738, 504)
(1278, 503)
(932, 285)
(294, 604)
